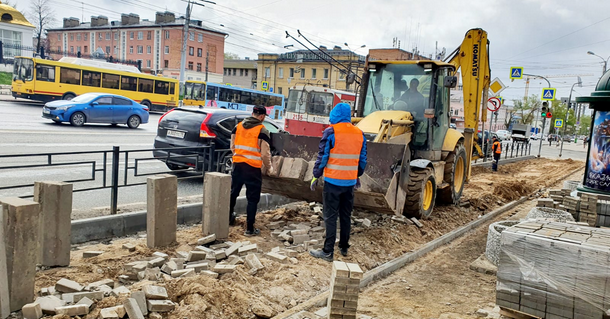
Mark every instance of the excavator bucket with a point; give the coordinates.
(379, 183)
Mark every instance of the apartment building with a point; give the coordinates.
(240, 73)
(157, 44)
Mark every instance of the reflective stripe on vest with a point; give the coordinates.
(344, 157)
(498, 147)
(246, 146)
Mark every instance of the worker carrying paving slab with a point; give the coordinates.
(342, 160)
(250, 146)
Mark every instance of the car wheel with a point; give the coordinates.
(174, 167)
(133, 121)
(77, 119)
(68, 96)
(228, 166)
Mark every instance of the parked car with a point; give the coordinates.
(196, 127)
(503, 135)
(97, 108)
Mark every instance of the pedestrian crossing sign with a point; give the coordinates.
(265, 85)
(516, 73)
(558, 123)
(548, 94)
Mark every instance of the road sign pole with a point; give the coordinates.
(565, 122)
(541, 135)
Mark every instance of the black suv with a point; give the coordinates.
(196, 127)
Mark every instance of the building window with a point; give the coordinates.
(107, 49)
(313, 73)
(166, 49)
(140, 35)
(234, 72)
(190, 65)
(58, 49)
(148, 49)
(116, 50)
(325, 74)
(131, 49)
(191, 51)
(101, 36)
(200, 52)
(167, 34)
(198, 67)
(116, 35)
(241, 72)
(166, 64)
(107, 35)
(131, 35)
(302, 73)
(291, 73)
(86, 35)
(281, 73)
(148, 64)
(225, 71)
(200, 37)
(191, 36)
(267, 72)
(78, 37)
(140, 49)
(86, 49)
(71, 49)
(149, 35)
(71, 37)
(246, 72)
(59, 37)
(78, 49)
(279, 90)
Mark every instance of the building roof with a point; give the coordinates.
(316, 55)
(11, 15)
(240, 64)
(142, 24)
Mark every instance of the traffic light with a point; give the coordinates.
(549, 115)
(545, 109)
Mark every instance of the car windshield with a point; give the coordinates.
(402, 87)
(84, 98)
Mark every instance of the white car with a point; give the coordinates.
(503, 135)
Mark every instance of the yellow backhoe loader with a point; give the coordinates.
(414, 158)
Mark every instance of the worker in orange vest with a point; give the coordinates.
(342, 160)
(250, 146)
(496, 149)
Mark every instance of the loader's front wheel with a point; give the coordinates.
(421, 195)
(455, 176)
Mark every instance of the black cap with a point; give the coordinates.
(260, 110)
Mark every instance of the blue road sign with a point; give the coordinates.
(558, 123)
(271, 90)
(548, 94)
(516, 72)
(265, 85)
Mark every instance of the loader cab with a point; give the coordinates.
(417, 87)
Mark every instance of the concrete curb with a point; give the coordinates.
(105, 227)
(505, 161)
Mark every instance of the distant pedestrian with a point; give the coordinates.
(342, 160)
(585, 141)
(250, 146)
(496, 149)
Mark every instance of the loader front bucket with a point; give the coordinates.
(379, 182)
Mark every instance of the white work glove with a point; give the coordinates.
(270, 171)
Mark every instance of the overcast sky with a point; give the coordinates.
(546, 37)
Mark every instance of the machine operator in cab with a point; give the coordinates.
(342, 160)
(250, 146)
(496, 149)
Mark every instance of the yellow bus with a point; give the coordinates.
(194, 93)
(45, 80)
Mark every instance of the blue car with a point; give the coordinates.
(97, 108)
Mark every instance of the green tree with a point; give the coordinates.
(558, 110)
(585, 125)
(526, 108)
(231, 56)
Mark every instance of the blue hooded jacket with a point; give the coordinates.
(341, 113)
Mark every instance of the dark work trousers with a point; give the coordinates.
(338, 202)
(494, 165)
(244, 174)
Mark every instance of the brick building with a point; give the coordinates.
(240, 73)
(157, 44)
(302, 67)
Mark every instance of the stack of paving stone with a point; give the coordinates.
(588, 209)
(344, 289)
(603, 213)
(555, 270)
(572, 205)
(545, 202)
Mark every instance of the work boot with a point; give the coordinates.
(232, 218)
(320, 253)
(254, 232)
(343, 252)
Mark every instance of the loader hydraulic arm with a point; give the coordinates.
(472, 60)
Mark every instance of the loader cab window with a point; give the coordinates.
(441, 110)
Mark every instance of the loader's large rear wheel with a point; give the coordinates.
(455, 176)
(421, 195)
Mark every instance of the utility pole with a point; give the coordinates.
(207, 58)
(565, 121)
(544, 119)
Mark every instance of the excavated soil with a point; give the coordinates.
(279, 287)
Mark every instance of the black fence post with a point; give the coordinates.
(114, 190)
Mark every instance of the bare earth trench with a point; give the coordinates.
(279, 287)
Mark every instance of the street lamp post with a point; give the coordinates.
(544, 119)
(605, 60)
(565, 121)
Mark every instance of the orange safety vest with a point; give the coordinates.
(247, 149)
(498, 147)
(345, 155)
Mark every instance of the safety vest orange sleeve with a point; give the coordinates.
(247, 149)
(344, 156)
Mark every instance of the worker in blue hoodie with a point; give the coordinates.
(342, 160)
